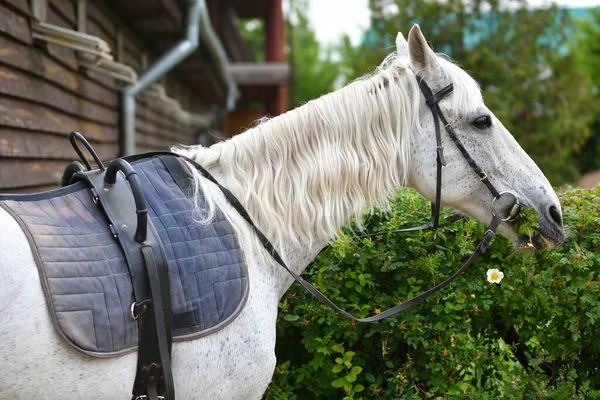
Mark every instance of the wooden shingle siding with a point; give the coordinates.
(28, 59)
(42, 98)
(100, 22)
(15, 24)
(44, 94)
(21, 114)
(23, 6)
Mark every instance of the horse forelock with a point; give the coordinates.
(303, 174)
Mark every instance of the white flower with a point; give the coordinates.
(494, 275)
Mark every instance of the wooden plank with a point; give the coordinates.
(156, 25)
(145, 149)
(148, 143)
(29, 144)
(24, 86)
(104, 18)
(34, 60)
(154, 130)
(63, 13)
(148, 121)
(132, 56)
(94, 29)
(15, 25)
(261, 73)
(154, 111)
(62, 54)
(21, 5)
(21, 114)
(20, 173)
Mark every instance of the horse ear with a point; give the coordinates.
(401, 46)
(422, 58)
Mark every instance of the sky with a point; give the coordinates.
(332, 18)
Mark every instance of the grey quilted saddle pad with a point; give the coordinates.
(85, 276)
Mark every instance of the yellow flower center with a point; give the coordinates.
(495, 276)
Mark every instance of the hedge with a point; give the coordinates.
(533, 335)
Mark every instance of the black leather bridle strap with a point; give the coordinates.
(482, 175)
(432, 100)
(480, 249)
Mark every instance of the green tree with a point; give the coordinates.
(253, 30)
(586, 49)
(520, 58)
(315, 69)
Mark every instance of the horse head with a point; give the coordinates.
(486, 141)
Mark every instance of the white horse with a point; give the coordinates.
(301, 176)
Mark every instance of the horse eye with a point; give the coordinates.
(482, 122)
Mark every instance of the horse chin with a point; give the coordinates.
(537, 242)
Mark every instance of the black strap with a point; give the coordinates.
(482, 175)
(149, 275)
(432, 100)
(481, 247)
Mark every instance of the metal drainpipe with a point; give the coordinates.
(196, 14)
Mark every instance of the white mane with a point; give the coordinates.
(303, 174)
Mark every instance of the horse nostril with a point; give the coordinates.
(555, 215)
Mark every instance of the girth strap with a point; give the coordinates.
(125, 208)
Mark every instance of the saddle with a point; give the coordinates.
(124, 265)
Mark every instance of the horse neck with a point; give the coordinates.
(304, 174)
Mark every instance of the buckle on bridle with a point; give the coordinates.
(513, 209)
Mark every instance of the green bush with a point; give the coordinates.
(533, 335)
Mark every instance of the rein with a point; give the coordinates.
(432, 100)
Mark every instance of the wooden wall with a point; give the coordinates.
(44, 95)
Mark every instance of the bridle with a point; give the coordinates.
(432, 100)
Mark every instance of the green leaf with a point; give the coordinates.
(290, 317)
(358, 388)
(456, 389)
(356, 370)
(338, 348)
(337, 368)
(338, 383)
